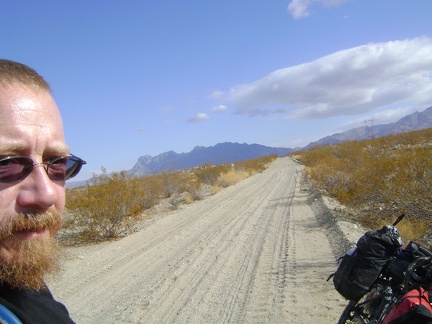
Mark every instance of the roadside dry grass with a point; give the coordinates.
(378, 179)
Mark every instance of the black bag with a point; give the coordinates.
(341, 278)
(361, 266)
(398, 267)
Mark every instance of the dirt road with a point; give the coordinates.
(253, 253)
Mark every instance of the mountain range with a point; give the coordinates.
(220, 153)
(233, 152)
(415, 121)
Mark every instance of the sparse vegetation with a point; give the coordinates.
(376, 179)
(109, 207)
(112, 204)
(255, 165)
(230, 178)
(208, 174)
(379, 178)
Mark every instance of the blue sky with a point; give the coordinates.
(141, 77)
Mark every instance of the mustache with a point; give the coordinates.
(50, 219)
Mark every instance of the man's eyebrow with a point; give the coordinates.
(12, 147)
(18, 148)
(57, 150)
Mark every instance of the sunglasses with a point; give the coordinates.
(17, 168)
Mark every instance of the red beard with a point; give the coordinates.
(25, 263)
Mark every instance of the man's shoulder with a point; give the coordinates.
(34, 306)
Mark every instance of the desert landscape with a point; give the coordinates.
(257, 252)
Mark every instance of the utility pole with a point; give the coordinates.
(369, 124)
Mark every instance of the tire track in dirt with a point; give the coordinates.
(229, 267)
(266, 292)
(235, 257)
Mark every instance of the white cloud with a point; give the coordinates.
(300, 8)
(219, 108)
(198, 118)
(348, 82)
(216, 94)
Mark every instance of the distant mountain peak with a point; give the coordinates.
(412, 122)
(226, 152)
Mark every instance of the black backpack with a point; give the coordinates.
(361, 266)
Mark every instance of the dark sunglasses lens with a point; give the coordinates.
(74, 167)
(64, 168)
(15, 169)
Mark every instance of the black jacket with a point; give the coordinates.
(34, 307)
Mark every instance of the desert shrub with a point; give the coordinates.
(208, 173)
(215, 189)
(153, 191)
(173, 182)
(413, 229)
(195, 189)
(109, 206)
(181, 198)
(256, 165)
(230, 178)
(380, 178)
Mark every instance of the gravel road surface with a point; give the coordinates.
(256, 252)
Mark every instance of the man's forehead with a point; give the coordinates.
(30, 123)
(16, 102)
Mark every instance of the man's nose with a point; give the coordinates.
(37, 189)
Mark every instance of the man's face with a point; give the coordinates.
(30, 126)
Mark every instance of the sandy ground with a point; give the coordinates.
(257, 252)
